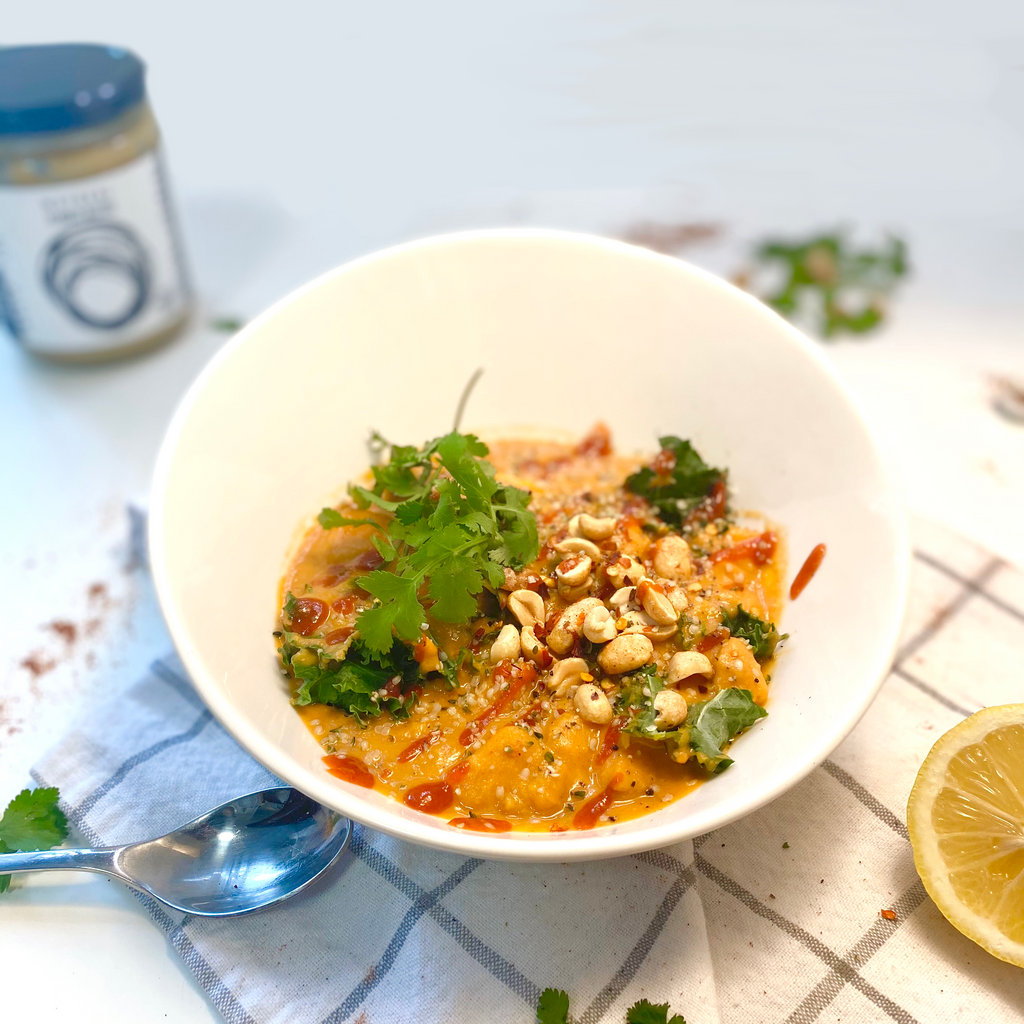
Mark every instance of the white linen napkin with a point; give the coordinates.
(774, 918)
(395, 933)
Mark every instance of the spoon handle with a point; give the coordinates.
(62, 860)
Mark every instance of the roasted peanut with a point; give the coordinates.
(625, 570)
(530, 645)
(688, 663)
(527, 606)
(678, 598)
(622, 597)
(591, 527)
(565, 673)
(507, 644)
(577, 545)
(671, 709)
(656, 603)
(626, 653)
(672, 558)
(599, 625)
(570, 624)
(592, 704)
(573, 572)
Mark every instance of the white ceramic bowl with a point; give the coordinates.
(569, 329)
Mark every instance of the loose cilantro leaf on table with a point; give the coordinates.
(552, 1007)
(453, 528)
(676, 491)
(354, 684)
(32, 821)
(829, 282)
(713, 723)
(762, 636)
(645, 1012)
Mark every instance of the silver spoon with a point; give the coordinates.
(247, 854)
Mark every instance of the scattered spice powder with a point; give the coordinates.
(67, 631)
(37, 664)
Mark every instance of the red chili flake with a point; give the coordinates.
(711, 640)
(889, 915)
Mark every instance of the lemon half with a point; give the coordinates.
(966, 821)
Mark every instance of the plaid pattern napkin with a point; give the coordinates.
(774, 918)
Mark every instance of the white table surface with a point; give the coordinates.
(301, 137)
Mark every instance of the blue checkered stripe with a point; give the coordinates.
(396, 932)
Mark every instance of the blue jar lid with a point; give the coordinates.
(67, 85)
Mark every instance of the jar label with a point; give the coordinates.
(92, 264)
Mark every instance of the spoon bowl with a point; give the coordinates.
(247, 854)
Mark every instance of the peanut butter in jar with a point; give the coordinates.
(90, 263)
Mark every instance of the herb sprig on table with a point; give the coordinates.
(553, 1008)
(453, 529)
(32, 821)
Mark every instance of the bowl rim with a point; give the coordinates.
(566, 846)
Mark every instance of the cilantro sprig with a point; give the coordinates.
(553, 1008)
(32, 821)
(451, 530)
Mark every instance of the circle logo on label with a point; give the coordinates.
(99, 273)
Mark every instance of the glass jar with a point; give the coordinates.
(90, 262)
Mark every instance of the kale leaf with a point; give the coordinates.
(762, 636)
(354, 684)
(691, 481)
(713, 723)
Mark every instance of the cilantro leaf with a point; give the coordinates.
(553, 1007)
(691, 481)
(762, 636)
(453, 528)
(399, 607)
(645, 1012)
(824, 279)
(713, 723)
(331, 518)
(32, 821)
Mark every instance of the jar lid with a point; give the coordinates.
(67, 85)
